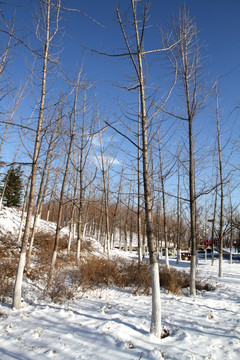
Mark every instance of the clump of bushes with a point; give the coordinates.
(7, 274)
(90, 273)
(8, 266)
(96, 271)
(42, 253)
(61, 290)
(173, 280)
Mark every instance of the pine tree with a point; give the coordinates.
(13, 190)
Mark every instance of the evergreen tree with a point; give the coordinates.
(13, 190)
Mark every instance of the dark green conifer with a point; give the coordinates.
(13, 191)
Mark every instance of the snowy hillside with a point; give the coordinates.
(111, 323)
(10, 219)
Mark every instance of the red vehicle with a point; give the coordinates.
(208, 242)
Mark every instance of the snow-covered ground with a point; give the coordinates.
(108, 324)
(10, 220)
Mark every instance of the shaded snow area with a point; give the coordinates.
(109, 324)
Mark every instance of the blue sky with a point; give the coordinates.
(218, 22)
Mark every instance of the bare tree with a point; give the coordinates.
(83, 151)
(139, 201)
(135, 53)
(220, 270)
(73, 121)
(105, 174)
(49, 36)
(178, 216)
(137, 62)
(165, 227)
(116, 209)
(185, 59)
(52, 141)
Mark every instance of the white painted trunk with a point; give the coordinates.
(220, 269)
(166, 257)
(140, 253)
(193, 276)
(84, 231)
(112, 241)
(231, 256)
(48, 213)
(156, 326)
(178, 255)
(18, 282)
(71, 236)
(196, 259)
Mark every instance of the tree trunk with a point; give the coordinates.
(220, 270)
(139, 225)
(61, 204)
(39, 199)
(156, 327)
(165, 230)
(178, 218)
(21, 265)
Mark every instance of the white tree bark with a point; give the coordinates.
(156, 326)
(21, 265)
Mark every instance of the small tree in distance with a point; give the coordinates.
(13, 187)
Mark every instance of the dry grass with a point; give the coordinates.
(61, 290)
(97, 271)
(42, 253)
(7, 273)
(8, 266)
(173, 280)
(92, 271)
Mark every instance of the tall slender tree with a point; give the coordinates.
(220, 167)
(134, 44)
(136, 58)
(48, 37)
(186, 61)
(73, 121)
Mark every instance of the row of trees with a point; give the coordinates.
(141, 170)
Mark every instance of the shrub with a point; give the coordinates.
(7, 274)
(95, 271)
(173, 280)
(61, 290)
(91, 273)
(8, 265)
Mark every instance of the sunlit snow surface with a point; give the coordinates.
(113, 324)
